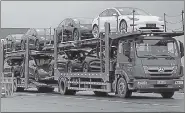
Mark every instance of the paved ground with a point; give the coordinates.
(86, 101)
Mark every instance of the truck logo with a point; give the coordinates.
(161, 69)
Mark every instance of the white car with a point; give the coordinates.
(124, 15)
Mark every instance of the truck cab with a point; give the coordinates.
(149, 64)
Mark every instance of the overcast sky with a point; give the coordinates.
(51, 13)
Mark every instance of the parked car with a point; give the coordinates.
(38, 38)
(92, 61)
(41, 68)
(13, 68)
(75, 29)
(124, 15)
(71, 60)
(13, 42)
(13, 65)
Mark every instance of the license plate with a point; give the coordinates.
(161, 82)
(151, 25)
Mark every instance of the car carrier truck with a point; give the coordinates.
(146, 62)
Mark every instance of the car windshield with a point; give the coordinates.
(129, 11)
(74, 54)
(42, 61)
(15, 62)
(92, 53)
(157, 48)
(83, 21)
(47, 37)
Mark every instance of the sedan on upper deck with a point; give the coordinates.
(38, 38)
(13, 42)
(73, 29)
(121, 19)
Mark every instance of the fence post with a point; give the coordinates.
(183, 20)
(164, 22)
(133, 20)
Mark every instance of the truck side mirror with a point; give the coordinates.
(181, 49)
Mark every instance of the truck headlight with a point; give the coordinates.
(145, 67)
(178, 82)
(174, 69)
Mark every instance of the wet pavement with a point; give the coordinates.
(32, 101)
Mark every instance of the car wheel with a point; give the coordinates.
(85, 67)
(37, 45)
(22, 45)
(95, 31)
(123, 26)
(12, 47)
(122, 89)
(69, 68)
(167, 94)
(51, 70)
(76, 35)
(36, 76)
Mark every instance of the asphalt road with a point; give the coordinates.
(31, 101)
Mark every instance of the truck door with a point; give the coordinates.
(125, 56)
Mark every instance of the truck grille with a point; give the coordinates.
(160, 74)
(158, 71)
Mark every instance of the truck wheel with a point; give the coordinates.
(100, 94)
(63, 88)
(15, 85)
(122, 89)
(20, 89)
(167, 94)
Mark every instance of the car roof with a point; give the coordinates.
(41, 31)
(17, 36)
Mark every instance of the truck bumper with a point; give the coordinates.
(145, 85)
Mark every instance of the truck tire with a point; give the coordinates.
(15, 85)
(100, 94)
(167, 94)
(122, 89)
(63, 88)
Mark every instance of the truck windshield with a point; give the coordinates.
(157, 48)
